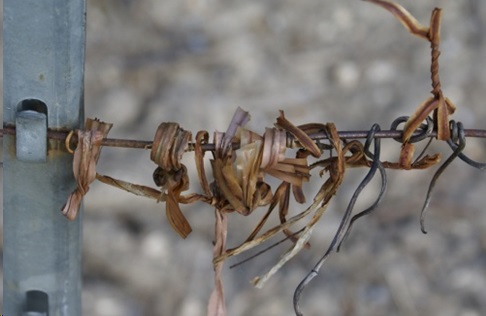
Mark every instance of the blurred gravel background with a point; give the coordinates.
(347, 62)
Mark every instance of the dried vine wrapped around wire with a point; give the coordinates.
(85, 158)
(242, 160)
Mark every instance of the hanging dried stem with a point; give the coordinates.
(441, 106)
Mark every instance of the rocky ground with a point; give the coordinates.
(348, 62)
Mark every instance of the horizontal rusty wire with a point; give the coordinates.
(145, 144)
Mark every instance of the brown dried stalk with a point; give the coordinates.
(440, 105)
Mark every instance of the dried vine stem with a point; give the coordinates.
(437, 103)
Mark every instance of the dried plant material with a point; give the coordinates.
(216, 305)
(406, 156)
(407, 19)
(172, 184)
(284, 203)
(260, 281)
(240, 118)
(139, 190)
(170, 142)
(85, 158)
(420, 114)
(234, 191)
(274, 147)
(299, 135)
(323, 197)
(202, 137)
(441, 106)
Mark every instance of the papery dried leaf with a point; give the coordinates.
(410, 23)
(247, 164)
(323, 197)
(232, 182)
(247, 137)
(304, 139)
(175, 217)
(240, 118)
(225, 191)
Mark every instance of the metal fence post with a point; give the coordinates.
(43, 57)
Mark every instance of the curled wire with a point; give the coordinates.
(376, 163)
(425, 129)
(344, 226)
(457, 132)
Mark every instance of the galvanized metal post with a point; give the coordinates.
(43, 58)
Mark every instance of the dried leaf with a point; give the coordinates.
(202, 137)
(324, 196)
(86, 155)
(410, 23)
(224, 189)
(240, 118)
(174, 215)
(304, 139)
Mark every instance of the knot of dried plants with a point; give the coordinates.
(171, 176)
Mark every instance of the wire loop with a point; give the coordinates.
(426, 129)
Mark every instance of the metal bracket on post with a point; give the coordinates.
(43, 86)
(31, 131)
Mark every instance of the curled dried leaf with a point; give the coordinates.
(202, 137)
(169, 144)
(299, 135)
(85, 158)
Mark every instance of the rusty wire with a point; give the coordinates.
(61, 135)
